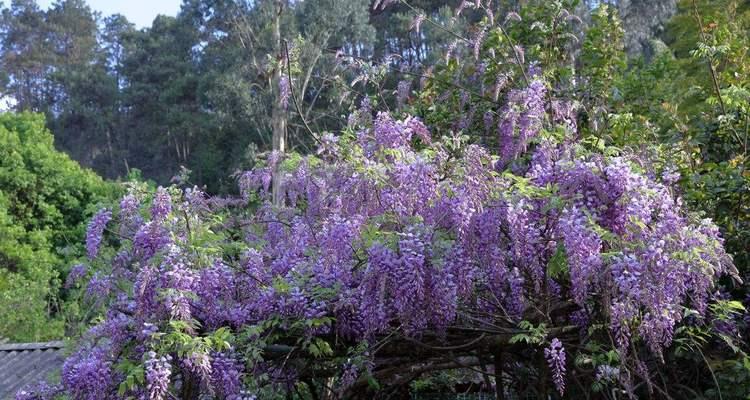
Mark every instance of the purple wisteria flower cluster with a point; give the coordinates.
(403, 236)
(95, 231)
(555, 355)
(158, 371)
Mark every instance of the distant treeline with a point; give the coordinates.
(197, 90)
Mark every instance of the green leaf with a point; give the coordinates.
(557, 266)
(372, 382)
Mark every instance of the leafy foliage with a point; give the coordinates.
(45, 198)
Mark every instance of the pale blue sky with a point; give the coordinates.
(139, 12)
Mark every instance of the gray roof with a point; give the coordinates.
(22, 364)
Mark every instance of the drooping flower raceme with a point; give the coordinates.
(226, 375)
(521, 120)
(158, 371)
(75, 275)
(95, 231)
(402, 92)
(555, 355)
(161, 205)
(40, 391)
(87, 374)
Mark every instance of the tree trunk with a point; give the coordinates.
(190, 387)
(278, 114)
(110, 150)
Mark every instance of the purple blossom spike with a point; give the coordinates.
(349, 376)
(158, 372)
(161, 205)
(583, 248)
(129, 207)
(522, 120)
(95, 232)
(76, 273)
(607, 373)
(478, 41)
(87, 374)
(226, 375)
(99, 286)
(149, 239)
(555, 355)
(130, 218)
(199, 364)
(39, 391)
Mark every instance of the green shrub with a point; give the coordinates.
(45, 201)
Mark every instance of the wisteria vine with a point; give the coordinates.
(397, 238)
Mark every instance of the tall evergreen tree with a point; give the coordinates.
(26, 54)
(162, 121)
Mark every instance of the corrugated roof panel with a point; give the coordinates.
(27, 363)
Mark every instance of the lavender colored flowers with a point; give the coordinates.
(161, 205)
(158, 372)
(226, 375)
(95, 232)
(76, 273)
(402, 92)
(522, 120)
(555, 355)
(39, 391)
(87, 374)
(130, 218)
(402, 236)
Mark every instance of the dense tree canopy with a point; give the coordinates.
(193, 90)
(198, 89)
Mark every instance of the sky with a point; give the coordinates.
(139, 12)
